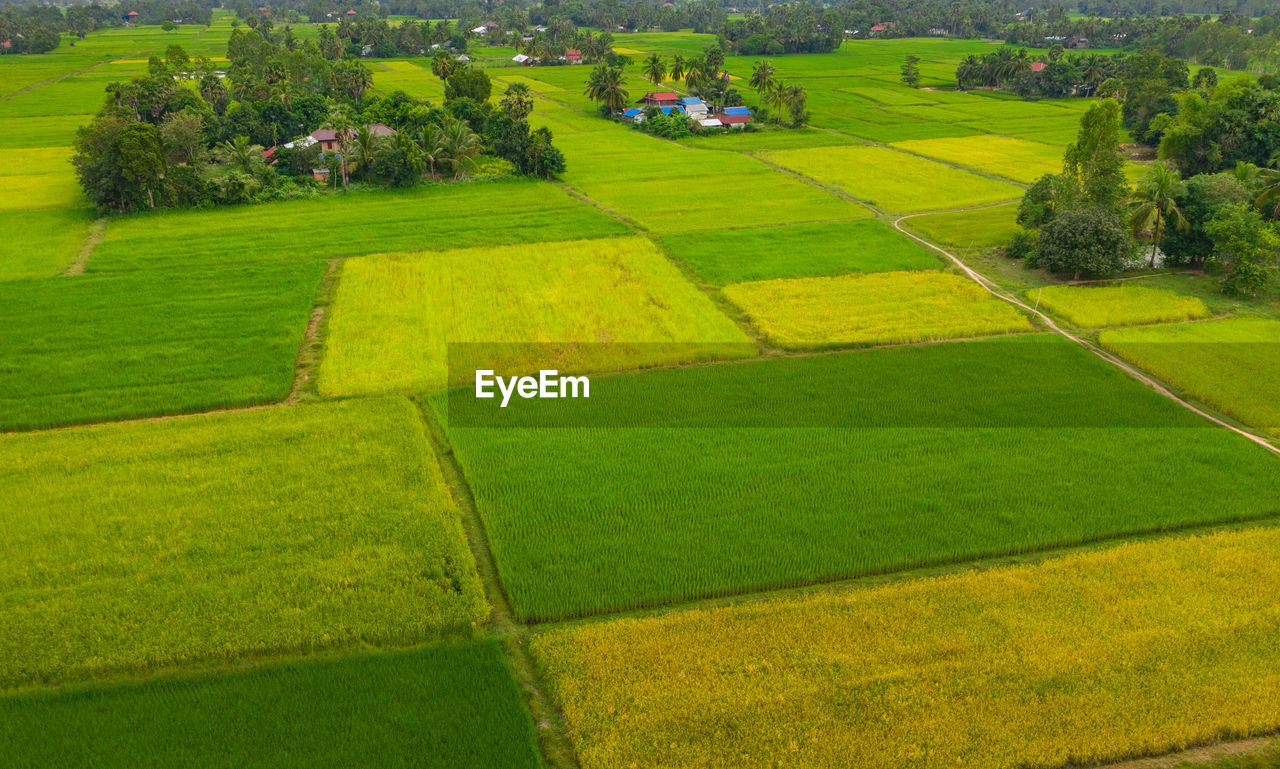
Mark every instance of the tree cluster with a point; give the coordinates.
(797, 27)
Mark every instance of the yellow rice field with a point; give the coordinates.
(1119, 305)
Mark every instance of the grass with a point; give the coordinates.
(1089, 658)
(444, 707)
(686, 483)
(424, 218)
(798, 250)
(587, 305)
(41, 243)
(1124, 304)
(892, 180)
(876, 308)
(93, 348)
(991, 226)
(1017, 159)
(1231, 364)
(216, 538)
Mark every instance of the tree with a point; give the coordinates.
(654, 68)
(776, 98)
(1206, 195)
(461, 145)
(240, 153)
(141, 157)
(1247, 245)
(677, 68)
(1206, 79)
(341, 124)
(911, 72)
(1095, 162)
(797, 104)
(517, 101)
(605, 88)
(431, 140)
(364, 150)
(1154, 208)
(468, 83)
(1091, 241)
(762, 77)
(183, 136)
(443, 64)
(400, 160)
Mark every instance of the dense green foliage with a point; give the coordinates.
(799, 251)
(677, 484)
(226, 536)
(92, 348)
(443, 707)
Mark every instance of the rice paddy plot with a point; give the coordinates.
(1017, 159)
(783, 139)
(686, 483)
(216, 538)
(798, 250)
(1123, 304)
(980, 227)
(38, 244)
(690, 204)
(537, 86)
(443, 707)
(72, 96)
(51, 131)
(414, 80)
(92, 348)
(35, 192)
(609, 304)
(1232, 364)
(894, 181)
(871, 309)
(1081, 660)
(423, 218)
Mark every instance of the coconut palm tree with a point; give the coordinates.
(431, 140)
(364, 150)
(796, 100)
(605, 87)
(340, 123)
(517, 100)
(655, 68)
(678, 66)
(776, 98)
(240, 153)
(443, 64)
(762, 76)
(1155, 205)
(461, 145)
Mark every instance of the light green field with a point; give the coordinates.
(38, 244)
(894, 181)
(405, 76)
(1082, 660)
(1124, 304)
(990, 226)
(1017, 159)
(420, 219)
(587, 305)
(871, 309)
(798, 251)
(1232, 365)
(214, 538)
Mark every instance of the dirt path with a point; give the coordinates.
(1137, 374)
(1199, 755)
(97, 231)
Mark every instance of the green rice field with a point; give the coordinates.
(217, 538)
(1124, 304)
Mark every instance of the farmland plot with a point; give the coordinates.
(38, 244)
(1089, 658)
(1017, 159)
(990, 226)
(425, 218)
(446, 707)
(1118, 305)
(92, 348)
(677, 484)
(798, 250)
(1232, 365)
(602, 300)
(894, 181)
(878, 308)
(215, 538)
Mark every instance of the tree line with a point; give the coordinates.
(157, 142)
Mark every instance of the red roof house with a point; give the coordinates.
(1036, 66)
(351, 12)
(659, 99)
(726, 119)
(573, 55)
(878, 28)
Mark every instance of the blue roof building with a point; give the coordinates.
(736, 111)
(688, 100)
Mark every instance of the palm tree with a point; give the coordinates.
(442, 64)
(605, 87)
(433, 146)
(1155, 205)
(796, 99)
(364, 150)
(677, 67)
(340, 123)
(762, 76)
(240, 153)
(654, 68)
(776, 98)
(461, 145)
(410, 154)
(517, 100)
(695, 71)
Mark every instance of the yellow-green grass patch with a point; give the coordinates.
(38, 244)
(537, 86)
(34, 192)
(50, 131)
(1089, 658)
(1124, 304)
(96, 347)
(874, 308)
(892, 180)
(147, 545)
(981, 227)
(596, 305)
(1016, 159)
(1232, 364)
(799, 251)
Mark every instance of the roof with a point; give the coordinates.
(132, 13)
(659, 96)
(380, 129)
(520, 57)
(709, 122)
(351, 12)
(737, 111)
(302, 143)
(667, 110)
(687, 100)
(324, 135)
(733, 119)
(573, 52)
(1036, 66)
(632, 112)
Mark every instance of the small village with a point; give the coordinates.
(703, 114)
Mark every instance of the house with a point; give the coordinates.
(573, 56)
(520, 58)
(709, 122)
(462, 57)
(659, 99)
(731, 116)
(480, 30)
(1037, 66)
(351, 12)
(327, 138)
(877, 29)
(634, 114)
(366, 50)
(670, 109)
(693, 106)
(539, 28)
